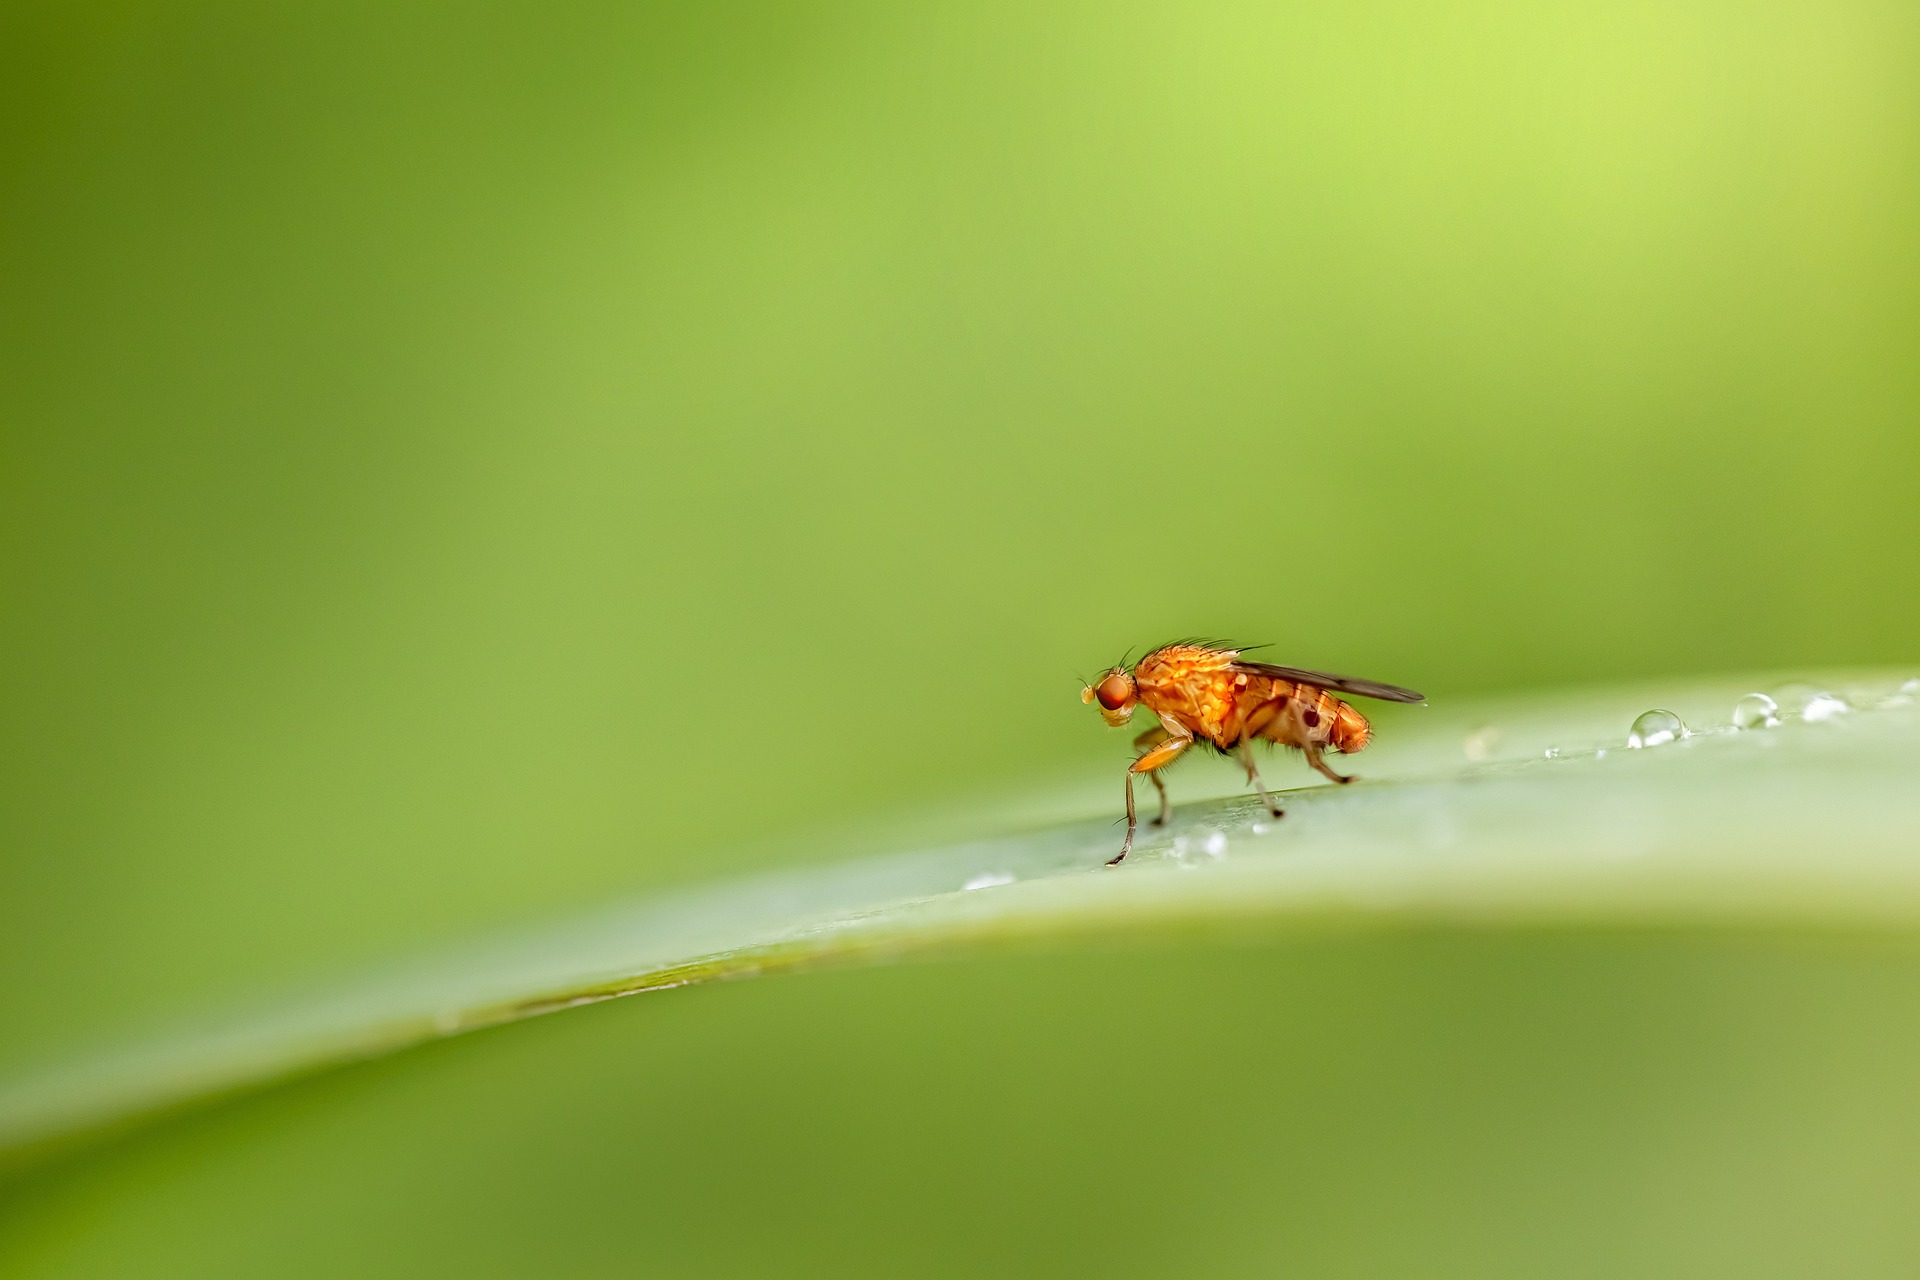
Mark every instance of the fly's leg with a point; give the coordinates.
(1312, 749)
(1166, 805)
(1126, 844)
(1153, 738)
(1161, 756)
(1253, 776)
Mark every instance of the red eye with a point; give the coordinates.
(1114, 692)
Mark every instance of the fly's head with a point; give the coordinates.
(1116, 695)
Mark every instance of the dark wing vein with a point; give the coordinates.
(1325, 680)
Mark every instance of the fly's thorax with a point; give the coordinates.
(1179, 684)
(1179, 664)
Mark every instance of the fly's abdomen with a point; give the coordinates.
(1349, 730)
(1296, 714)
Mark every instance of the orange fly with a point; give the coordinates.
(1200, 692)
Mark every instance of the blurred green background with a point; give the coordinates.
(458, 462)
(1325, 1106)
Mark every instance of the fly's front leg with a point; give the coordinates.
(1253, 776)
(1126, 844)
(1161, 756)
(1153, 738)
(1314, 758)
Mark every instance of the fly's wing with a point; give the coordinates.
(1325, 680)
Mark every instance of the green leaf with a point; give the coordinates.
(1807, 823)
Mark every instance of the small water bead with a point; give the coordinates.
(1553, 753)
(1656, 728)
(1480, 744)
(987, 881)
(1905, 696)
(1809, 701)
(1189, 852)
(1259, 828)
(1824, 707)
(1756, 711)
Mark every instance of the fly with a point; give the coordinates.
(1202, 693)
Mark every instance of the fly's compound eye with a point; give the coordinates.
(1114, 692)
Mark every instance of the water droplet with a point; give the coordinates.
(1824, 707)
(987, 881)
(1260, 828)
(1810, 701)
(1553, 753)
(1600, 754)
(1655, 728)
(1189, 852)
(1905, 696)
(1756, 711)
(1480, 744)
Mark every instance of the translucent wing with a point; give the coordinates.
(1325, 680)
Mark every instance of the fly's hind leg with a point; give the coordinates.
(1315, 759)
(1145, 742)
(1253, 776)
(1161, 756)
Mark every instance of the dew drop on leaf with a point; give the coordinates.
(1905, 696)
(1654, 728)
(1756, 711)
(1824, 707)
(1810, 702)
